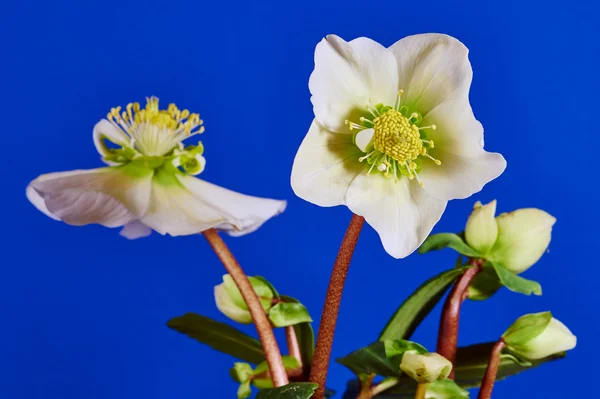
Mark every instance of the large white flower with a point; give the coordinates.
(394, 137)
(148, 184)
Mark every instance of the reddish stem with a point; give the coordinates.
(448, 334)
(318, 372)
(293, 345)
(263, 326)
(487, 385)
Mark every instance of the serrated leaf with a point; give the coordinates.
(219, 336)
(470, 368)
(381, 357)
(417, 306)
(442, 240)
(516, 283)
(296, 390)
(288, 314)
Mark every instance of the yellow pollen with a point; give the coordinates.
(397, 137)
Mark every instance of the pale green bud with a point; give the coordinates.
(538, 335)
(230, 302)
(445, 389)
(482, 230)
(425, 368)
(523, 237)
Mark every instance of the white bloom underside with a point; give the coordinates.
(350, 78)
(144, 199)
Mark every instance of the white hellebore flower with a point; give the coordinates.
(425, 368)
(148, 184)
(394, 137)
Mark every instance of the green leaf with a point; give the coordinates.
(442, 240)
(244, 391)
(289, 363)
(484, 284)
(381, 358)
(414, 309)
(470, 368)
(296, 390)
(288, 314)
(306, 341)
(516, 283)
(219, 336)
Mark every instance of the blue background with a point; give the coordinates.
(83, 310)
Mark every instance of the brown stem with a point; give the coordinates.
(487, 385)
(318, 372)
(448, 334)
(263, 326)
(366, 387)
(293, 345)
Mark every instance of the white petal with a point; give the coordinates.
(108, 196)
(183, 205)
(105, 130)
(363, 139)
(135, 229)
(347, 76)
(432, 68)
(401, 212)
(458, 176)
(38, 202)
(324, 167)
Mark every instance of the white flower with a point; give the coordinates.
(394, 137)
(148, 185)
(425, 368)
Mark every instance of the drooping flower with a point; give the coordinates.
(149, 183)
(538, 335)
(515, 240)
(394, 137)
(426, 367)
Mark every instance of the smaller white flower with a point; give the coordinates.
(425, 368)
(515, 240)
(149, 183)
(538, 335)
(394, 137)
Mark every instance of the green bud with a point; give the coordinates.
(481, 230)
(523, 237)
(230, 302)
(425, 368)
(445, 389)
(241, 372)
(538, 335)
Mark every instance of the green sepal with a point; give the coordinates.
(442, 240)
(295, 390)
(382, 358)
(241, 372)
(484, 284)
(516, 283)
(288, 314)
(526, 328)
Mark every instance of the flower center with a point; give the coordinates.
(156, 132)
(397, 137)
(159, 133)
(398, 145)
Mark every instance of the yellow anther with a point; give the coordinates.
(431, 144)
(185, 113)
(136, 107)
(437, 162)
(421, 183)
(400, 92)
(413, 165)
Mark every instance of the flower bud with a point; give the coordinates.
(523, 237)
(538, 335)
(425, 368)
(230, 302)
(482, 230)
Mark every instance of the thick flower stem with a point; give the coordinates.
(487, 385)
(263, 326)
(421, 390)
(448, 334)
(318, 373)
